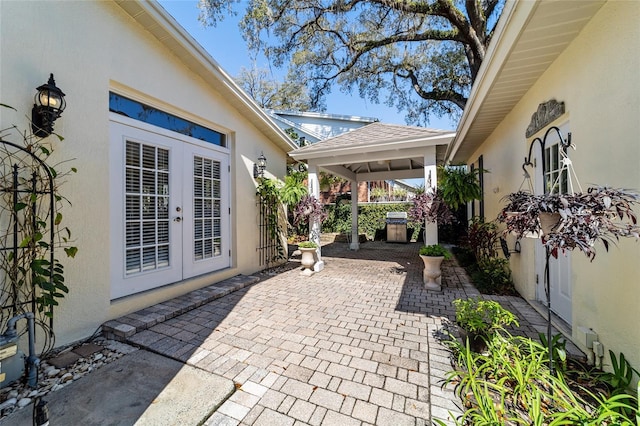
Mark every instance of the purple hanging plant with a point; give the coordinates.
(308, 210)
(601, 213)
(429, 207)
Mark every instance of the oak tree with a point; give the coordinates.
(421, 56)
(289, 95)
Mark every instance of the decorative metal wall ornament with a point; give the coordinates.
(546, 113)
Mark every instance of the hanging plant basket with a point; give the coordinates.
(569, 221)
(549, 222)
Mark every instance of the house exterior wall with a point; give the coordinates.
(597, 78)
(323, 125)
(92, 48)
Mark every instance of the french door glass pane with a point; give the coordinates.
(206, 208)
(146, 207)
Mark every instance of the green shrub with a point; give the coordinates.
(482, 316)
(338, 218)
(307, 244)
(493, 276)
(371, 218)
(435, 250)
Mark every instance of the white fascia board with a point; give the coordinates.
(354, 118)
(333, 159)
(295, 126)
(512, 22)
(162, 18)
(382, 147)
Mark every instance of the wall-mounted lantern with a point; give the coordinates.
(49, 104)
(260, 166)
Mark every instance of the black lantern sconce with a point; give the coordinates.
(260, 166)
(49, 104)
(506, 250)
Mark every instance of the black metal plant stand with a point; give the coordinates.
(564, 144)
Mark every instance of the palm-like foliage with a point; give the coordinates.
(458, 185)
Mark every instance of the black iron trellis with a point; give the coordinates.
(268, 246)
(26, 185)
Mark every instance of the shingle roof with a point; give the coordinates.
(374, 134)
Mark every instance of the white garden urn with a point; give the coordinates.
(308, 258)
(431, 274)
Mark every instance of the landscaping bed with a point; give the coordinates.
(511, 383)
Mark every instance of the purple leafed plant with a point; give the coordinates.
(308, 210)
(601, 213)
(430, 207)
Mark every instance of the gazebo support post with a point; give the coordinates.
(430, 183)
(355, 240)
(314, 225)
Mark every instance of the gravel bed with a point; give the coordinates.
(50, 379)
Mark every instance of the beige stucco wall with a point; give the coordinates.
(597, 78)
(92, 48)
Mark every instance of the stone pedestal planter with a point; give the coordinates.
(308, 258)
(431, 274)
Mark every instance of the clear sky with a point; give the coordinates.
(225, 44)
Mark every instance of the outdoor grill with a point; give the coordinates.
(396, 227)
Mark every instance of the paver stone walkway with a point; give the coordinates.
(353, 345)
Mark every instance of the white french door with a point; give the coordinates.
(206, 212)
(560, 283)
(170, 207)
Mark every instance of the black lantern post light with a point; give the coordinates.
(260, 166)
(49, 104)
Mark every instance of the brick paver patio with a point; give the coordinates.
(353, 345)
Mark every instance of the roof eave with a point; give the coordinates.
(311, 114)
(406, 143)
(155, 19)
(503, 38)
(520, 21)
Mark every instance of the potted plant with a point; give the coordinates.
(569, 221)
(459, 185)
(479, 318)
(432, 256)
(430, 207)
(308, 250)
(377, 194)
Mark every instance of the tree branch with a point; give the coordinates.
(435, 94)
